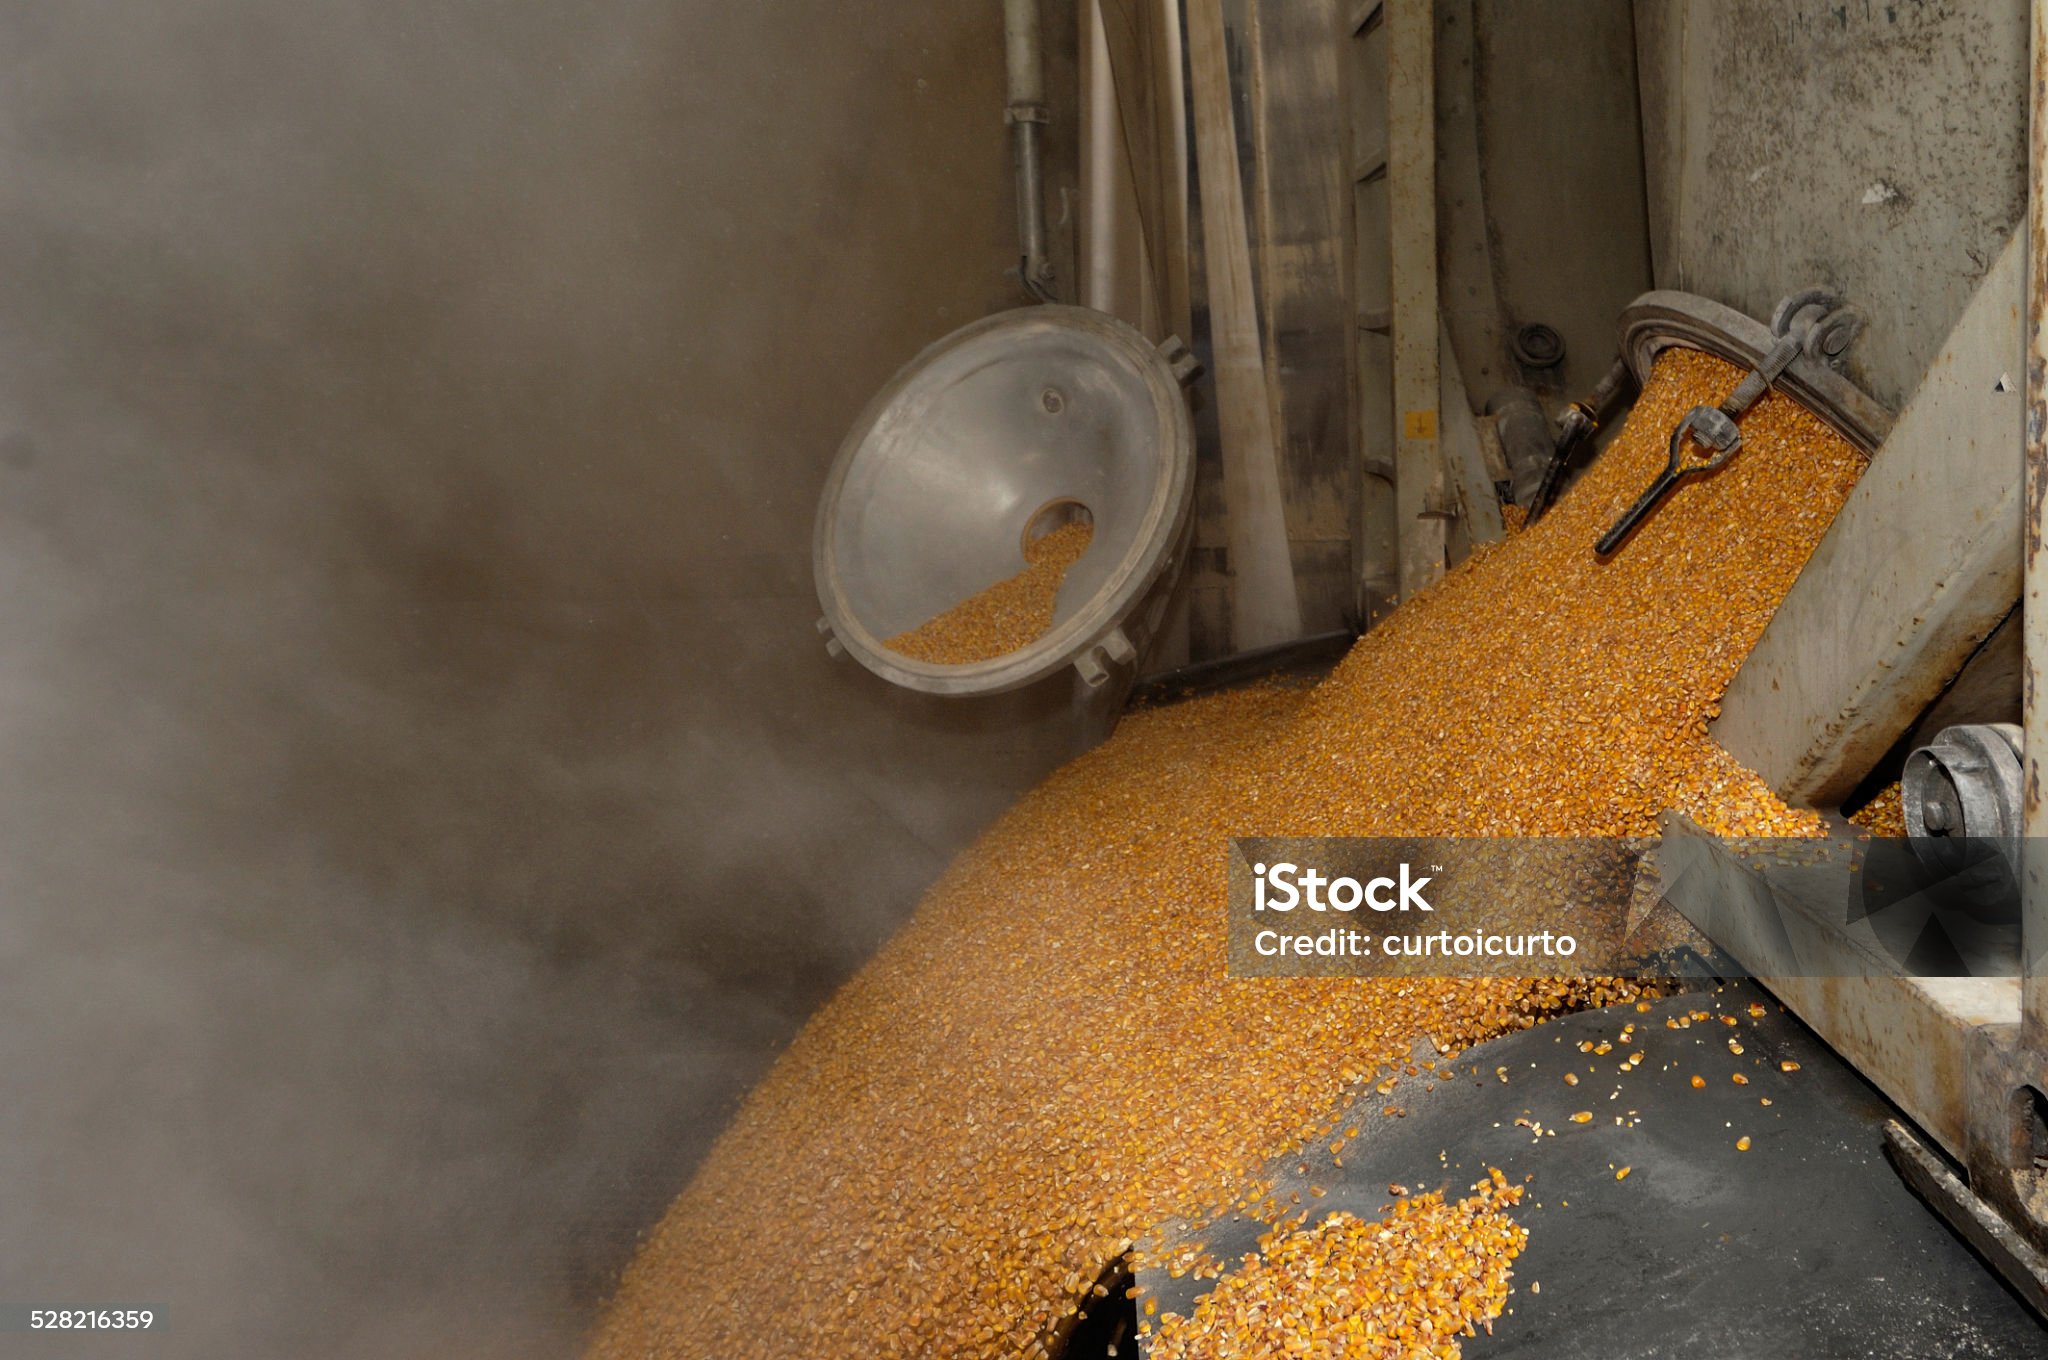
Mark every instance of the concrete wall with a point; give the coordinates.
(1540, 204)
(1876, 146)
(426, 805)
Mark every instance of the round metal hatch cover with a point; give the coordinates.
(1015, 420)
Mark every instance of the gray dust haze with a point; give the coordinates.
(427, 806)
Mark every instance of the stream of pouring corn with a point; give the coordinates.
(1010, 614)
(1047, 1063)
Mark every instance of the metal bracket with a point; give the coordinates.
(1094, 665)
(1186, 367)
(834, 648)
(1826, 326)
(1657, 321)
(1947, 1050)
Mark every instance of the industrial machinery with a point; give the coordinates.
(1935, 1038)
(1801, 351)
(1809, 335)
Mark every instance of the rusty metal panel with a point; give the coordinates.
(2034, 608)
(1918, 569)
(1419, 496)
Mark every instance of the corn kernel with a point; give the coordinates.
(1012, 1120)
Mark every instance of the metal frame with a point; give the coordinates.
(2034, 926)
(1951, 1053)
(1928, 547)
(1421, 505)
(1966, 1060)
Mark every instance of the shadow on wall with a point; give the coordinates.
(427, 804)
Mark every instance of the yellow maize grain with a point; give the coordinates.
(1008, 615)
(998, 1106)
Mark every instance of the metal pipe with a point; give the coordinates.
(1578, 424)
(1103, 178)
(1023, 45)
(1024, 48)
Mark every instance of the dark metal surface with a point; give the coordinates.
(2023, 1266)
(1538, 346)
(1706, 426)
(1310, 656)
(1808, 1244)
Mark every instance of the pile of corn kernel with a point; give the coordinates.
(1009, 614)
(1048, 1062)
(1348, 1289)
(1884, 814)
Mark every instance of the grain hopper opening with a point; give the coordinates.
(1061, 512)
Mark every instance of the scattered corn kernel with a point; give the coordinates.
(1408, 1284)
(1883, 815)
